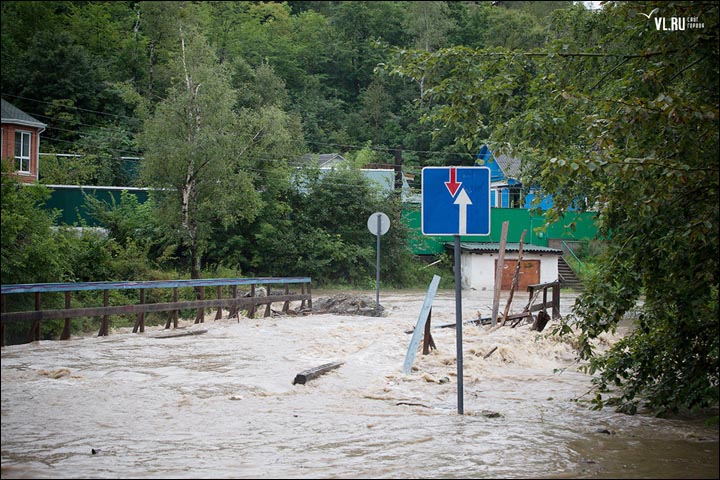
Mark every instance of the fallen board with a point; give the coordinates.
(311, 373)
(420, 326)
(180, 334)
(477, 321)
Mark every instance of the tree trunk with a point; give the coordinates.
(195, 270)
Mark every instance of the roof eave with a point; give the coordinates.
(25, 123)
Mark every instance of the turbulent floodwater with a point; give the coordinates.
(222, 404)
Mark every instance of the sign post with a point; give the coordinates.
(456, 201)
(378, 224)
(458, 325)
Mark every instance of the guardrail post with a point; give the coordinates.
(218, 315)
(200, 317)
(234, 310)
(105, 326)
(65, 335)
(251, 310)
(35, 328)
(267, 294)
(286, 305)
(2, 325)
(140, 322)
(556, 301)
(175, 313)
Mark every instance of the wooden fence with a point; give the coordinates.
(231, 301)
(553, 304)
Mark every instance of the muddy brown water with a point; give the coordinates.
(222, 404)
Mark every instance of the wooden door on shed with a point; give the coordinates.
(529, 274)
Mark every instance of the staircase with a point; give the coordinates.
(568, 279)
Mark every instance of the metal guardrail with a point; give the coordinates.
(232, 302)
(567, 248)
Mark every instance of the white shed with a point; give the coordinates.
(478, 261)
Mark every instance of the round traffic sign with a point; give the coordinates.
(372, 223)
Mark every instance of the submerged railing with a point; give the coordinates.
(233, 302)
(553, 304)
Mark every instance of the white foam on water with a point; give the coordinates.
(222, 404)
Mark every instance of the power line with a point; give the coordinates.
(133, 153)
(339, 145)
(98, 127)
(387, 149)
(68, 106)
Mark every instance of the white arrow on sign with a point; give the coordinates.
(463, 200)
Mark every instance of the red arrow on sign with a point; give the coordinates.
(453, 185)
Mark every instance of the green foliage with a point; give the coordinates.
(62, 170)
(621, 118)
(31, 253)
(429, 24)
(322, 230)
(127, 222)
(102, 67)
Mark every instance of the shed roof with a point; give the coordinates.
(11, 114)
(509, 247)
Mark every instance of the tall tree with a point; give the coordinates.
(618, 116)
(193, 157)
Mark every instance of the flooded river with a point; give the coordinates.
(222, 404)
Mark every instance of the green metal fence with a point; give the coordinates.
(518, 220)
(70, 201)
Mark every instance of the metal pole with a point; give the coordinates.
(458, 323)
(377, 264)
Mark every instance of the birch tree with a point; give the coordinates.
(193, 158)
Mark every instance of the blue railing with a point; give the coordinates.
(232, 301)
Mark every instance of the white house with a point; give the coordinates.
(479, 260)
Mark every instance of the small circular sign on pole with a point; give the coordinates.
(383, 226)
(378, 224)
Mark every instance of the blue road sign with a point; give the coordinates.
(456, 201)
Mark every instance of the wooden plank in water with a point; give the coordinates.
(311, 373)
(181, 334)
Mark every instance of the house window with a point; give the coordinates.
(22, 152)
